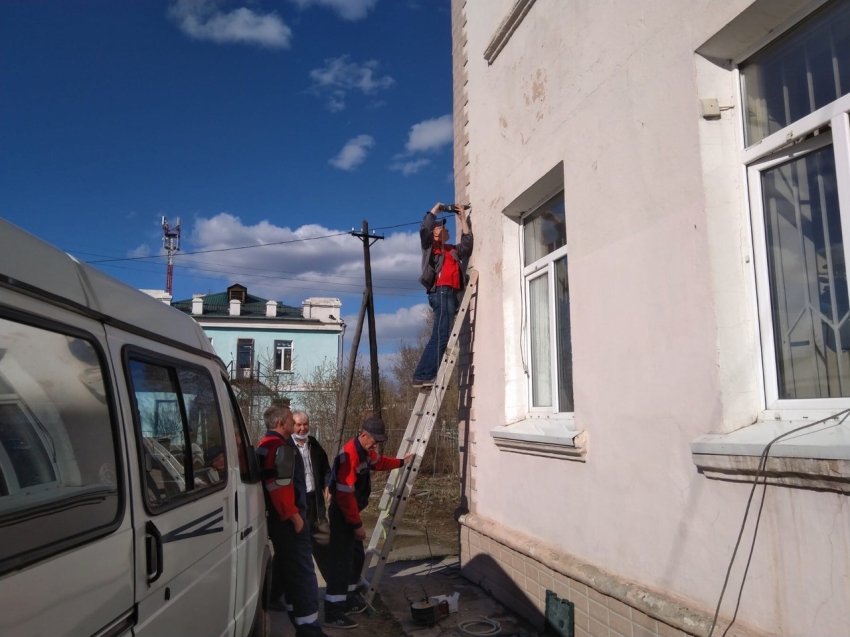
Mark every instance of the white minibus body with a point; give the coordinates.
(130, 497)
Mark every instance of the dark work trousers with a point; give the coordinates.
(320, 551)
(294, 577)
(443, 301)
(346, 557)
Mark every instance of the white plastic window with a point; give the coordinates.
(795, 91)
(283, 361)
(550, 364)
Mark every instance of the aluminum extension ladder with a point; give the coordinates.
(400, 482)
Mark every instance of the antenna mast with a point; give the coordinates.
(171, 243)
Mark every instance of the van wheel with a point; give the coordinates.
(262, 624)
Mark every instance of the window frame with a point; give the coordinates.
(46, 551)
(143, 355)
(254, 471)
(832, 125)
(250, 366)
(828, 125)
(291, 347)
(542, 266)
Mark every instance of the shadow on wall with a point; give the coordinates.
(487, 573)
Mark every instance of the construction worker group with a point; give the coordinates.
(298, 528)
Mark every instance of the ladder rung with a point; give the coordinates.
(422, 421)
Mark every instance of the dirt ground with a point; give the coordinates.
(428, 520)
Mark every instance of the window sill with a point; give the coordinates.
(817, 458)
(548, 438)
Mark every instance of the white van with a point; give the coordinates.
(130, 497)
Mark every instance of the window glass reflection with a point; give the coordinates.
(798, 74)
(808, 277)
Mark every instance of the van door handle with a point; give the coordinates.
(246, 532)
(153, 543)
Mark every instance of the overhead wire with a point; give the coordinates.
(111, 261)
(245, 267)
(256, 245)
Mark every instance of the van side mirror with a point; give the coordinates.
(284, 462)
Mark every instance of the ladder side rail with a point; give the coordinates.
(417, 436)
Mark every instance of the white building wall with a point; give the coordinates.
(662, 307)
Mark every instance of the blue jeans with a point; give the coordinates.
(444, 303)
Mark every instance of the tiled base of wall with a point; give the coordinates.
(520, 582)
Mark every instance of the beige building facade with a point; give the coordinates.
(660, 190)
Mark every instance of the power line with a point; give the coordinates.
(257, 245)
(283, 278)
(245, 267)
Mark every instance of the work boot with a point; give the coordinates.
(339, 621)
(355, 604)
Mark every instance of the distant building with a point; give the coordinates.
(269, 348)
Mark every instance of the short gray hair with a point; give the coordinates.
(274, 414)
(298, 412)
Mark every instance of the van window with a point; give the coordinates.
(58, 463)
(249, 470)
(179, 428)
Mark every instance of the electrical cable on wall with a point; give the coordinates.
(760, 469)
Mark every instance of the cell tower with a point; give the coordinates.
(171, 243)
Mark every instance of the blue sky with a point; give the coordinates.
(254, 122)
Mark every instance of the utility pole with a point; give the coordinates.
(171, 243)
(368, 240)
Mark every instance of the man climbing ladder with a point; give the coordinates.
(442, 278)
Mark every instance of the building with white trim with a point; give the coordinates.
(660, 191)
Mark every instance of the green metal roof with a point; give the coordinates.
(254, 306)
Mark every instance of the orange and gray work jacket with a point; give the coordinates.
(281, 501)
(351, 480)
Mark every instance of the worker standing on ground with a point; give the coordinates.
(317, 472)
(350, 487)
(441, 276)
(293, 575)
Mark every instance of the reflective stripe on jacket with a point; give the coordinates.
(351, 480)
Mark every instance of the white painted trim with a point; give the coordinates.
(506, 29)
(299, 327)
(827, 441)
(540, 437)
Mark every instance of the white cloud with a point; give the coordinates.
(353, 153)
(202, 21)
(291, 272)
(409, 166)
(425, 137)
(393, 328)
(430, 135)
(345, 9)
(143, 250)
(341, 75)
